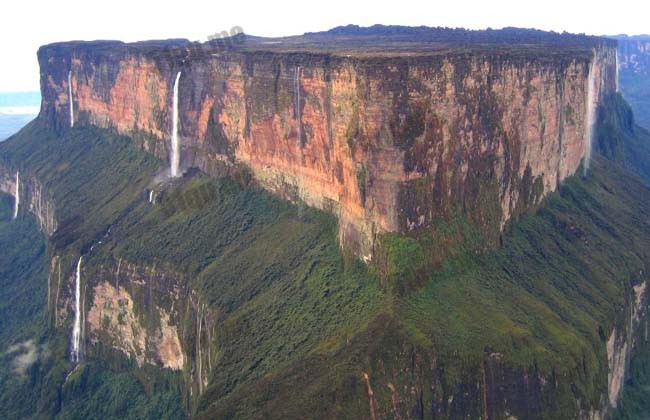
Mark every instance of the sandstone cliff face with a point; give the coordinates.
(387, 143)
(401, 380)
(634, 69)
(492, 391)
(144, 313)
(621, 342)
(126, 308)
(136, 310)
(33, 198)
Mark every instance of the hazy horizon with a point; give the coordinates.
(16, 110)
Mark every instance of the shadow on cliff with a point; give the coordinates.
(469, 334)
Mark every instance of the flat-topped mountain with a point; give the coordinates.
(377, 41)
(366, 223)
(389, 128)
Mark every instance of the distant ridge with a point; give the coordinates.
(376, 40)
(447, 34)
(630, 37)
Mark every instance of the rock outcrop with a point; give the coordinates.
(634, 70)
(34, 198)
(137, 311)
(144, 313)
(389, 141)
(622, 340)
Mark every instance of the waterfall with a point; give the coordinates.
(70, 99)
(151, 196)
(296, 96)
(199, 368)
(117, 275)
(17, 202)
(591, 114)
(618, 88)
(76, 329)
(56, 300)
(175, 152)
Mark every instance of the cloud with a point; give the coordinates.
(19, 110)
(27, 355)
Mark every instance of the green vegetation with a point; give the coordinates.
(23, 275)
(542, 301)
(88, 173)
(93, 392)
(93, 177)
(631, 146)
(251, 257)
(573, 258)
(299, 323)
(403, 263)
(542, 298)
(22, 305)
(33, 366)
(634, 403)
(273, 274)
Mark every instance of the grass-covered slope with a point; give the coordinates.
(23, 287)
(631, 145)
(23, 274)
(273, 272)
(93, 177)
(305, 331)
(545, 302)
(33, 370)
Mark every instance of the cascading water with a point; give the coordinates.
(296, 97)
(70, 99)
(618, 89)
(75, 355)
(175, 158)
(591, 114)
(17, 202)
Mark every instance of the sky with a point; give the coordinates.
(27, 24)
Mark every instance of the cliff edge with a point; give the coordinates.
(388, 128)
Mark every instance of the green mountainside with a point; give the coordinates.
(305, 330)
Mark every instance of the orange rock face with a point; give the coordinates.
(386, 144)
(112, 315)
(146, 331)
